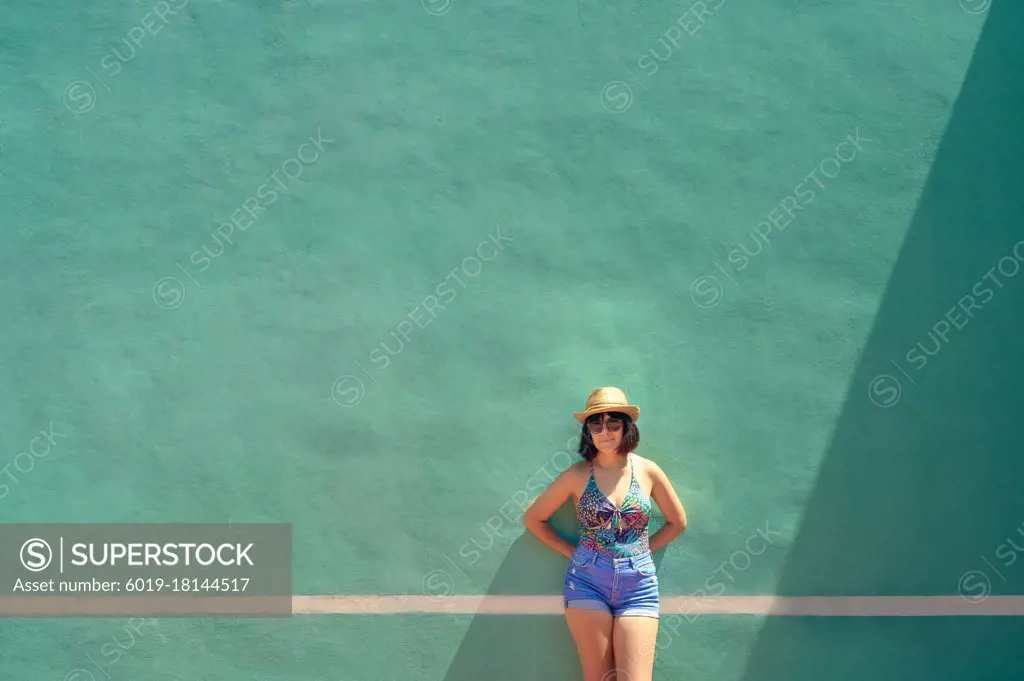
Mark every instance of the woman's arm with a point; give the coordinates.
(671, 508)
(544, 506)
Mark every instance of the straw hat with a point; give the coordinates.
(607, 399)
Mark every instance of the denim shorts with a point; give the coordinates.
(622, 586)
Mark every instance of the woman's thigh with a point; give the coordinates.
(634, 639)
(592, 632)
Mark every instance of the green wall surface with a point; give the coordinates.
(790, 230)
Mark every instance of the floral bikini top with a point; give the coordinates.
(615, 532)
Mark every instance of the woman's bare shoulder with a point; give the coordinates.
(645, 464)
(647, 470)
(576, 469)
(579, 475)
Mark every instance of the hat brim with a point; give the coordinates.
(632, 411)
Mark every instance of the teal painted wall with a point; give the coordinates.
(635, 166)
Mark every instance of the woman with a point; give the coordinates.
(611, 586)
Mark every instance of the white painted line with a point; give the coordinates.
(798, 606)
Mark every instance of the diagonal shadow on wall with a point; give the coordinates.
(518, 648)
(922, 489)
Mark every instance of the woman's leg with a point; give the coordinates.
(634, 639)
(592, 631)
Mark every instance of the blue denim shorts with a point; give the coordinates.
(621, 586)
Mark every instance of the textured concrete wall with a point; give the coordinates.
(352, 265)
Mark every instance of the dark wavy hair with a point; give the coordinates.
(630, 436)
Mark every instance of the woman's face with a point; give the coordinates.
(606, 432)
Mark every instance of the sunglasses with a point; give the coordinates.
(614, 426)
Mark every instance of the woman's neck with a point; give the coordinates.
(611, 460)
